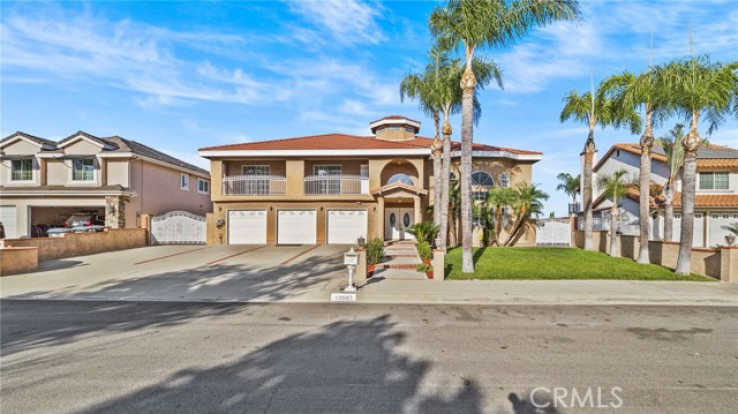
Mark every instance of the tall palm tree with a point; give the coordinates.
(594, 109)
(425, 88)
(636, 92)
(702, 88)
(454, 210)
(450, 97)
(614, 187)
(674, 151)
(528, 203)
(491, 24)
(498, 198)
(570, 185)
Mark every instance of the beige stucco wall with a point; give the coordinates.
(19, 148)
(57, 172)
(82, 147)
(117, 172)
(394, 133)
(80, 244)
(159, 192)
(15, 260)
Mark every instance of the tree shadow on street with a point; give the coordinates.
(346, 366)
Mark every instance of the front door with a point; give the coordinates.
(396, 223)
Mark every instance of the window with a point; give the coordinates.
(478, 219)
(505, 180)
(331, 184)
(203, 186)
(401, 178)
(259, 186)
(83, 169)
(364, 171)
(184, 182)
(410, 130)
(714, 181)
(255, 170)
(22, 170)
(481, 183)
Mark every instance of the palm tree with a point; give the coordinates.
(594, 109)
(701, 87)
(479, 24)
(425, 88)
(674, 151)
(570, 185)
(454, 210)
(528, 203)
(498, 198)
(733, 229)
(613, 186)
(636, 92)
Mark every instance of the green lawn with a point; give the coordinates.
(555, 263)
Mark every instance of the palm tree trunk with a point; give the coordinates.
(445, 181)
(437, 188)
(690, 143)
(614, 228)
(468, 83)
(668, 214)
(498, 223)
(519, 221)
(589, 150)
(645, 181)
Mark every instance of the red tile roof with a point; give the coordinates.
(343, 141)
(700, 200)
(702, 162)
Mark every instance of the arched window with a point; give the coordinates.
(401, 178)
(481, 182)
(505, 180)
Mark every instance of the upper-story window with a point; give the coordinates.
(184, 182)
(203, 186)
(714, 181)
(481, 183)
(83, 169)
(401, 178)
(327, 170)
(505, 180)
(255, 170)
(22, 170)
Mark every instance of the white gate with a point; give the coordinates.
(178, 227)
(553, 232)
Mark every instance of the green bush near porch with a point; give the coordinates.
(556, 263)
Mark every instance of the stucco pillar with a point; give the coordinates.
(418, 209)
(360, 276)
(439, 265)
(295, 173)
(729, 264)
(379, 226)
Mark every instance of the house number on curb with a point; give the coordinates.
(343, 297)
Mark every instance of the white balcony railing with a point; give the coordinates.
(254, 185)
(336, 185)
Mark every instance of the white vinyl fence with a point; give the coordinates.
(554, 232)
(178, 227)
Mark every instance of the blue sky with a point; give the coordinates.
(183, 75)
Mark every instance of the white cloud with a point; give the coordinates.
(346, 21)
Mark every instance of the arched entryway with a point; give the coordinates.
(399, 199)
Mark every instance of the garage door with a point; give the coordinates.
(247, 227)
(8, 217)
(716, 230)
(345, 226)
(296, 226)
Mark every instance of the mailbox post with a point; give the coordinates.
(351, 260)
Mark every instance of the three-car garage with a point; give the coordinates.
(284, 226)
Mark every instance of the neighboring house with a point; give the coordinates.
(43, 182)
(335, 188)
(716, 200)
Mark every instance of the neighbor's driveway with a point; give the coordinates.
(181, 273)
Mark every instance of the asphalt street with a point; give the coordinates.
(133, 357)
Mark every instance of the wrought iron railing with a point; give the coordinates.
(254, 185)
(336, 185)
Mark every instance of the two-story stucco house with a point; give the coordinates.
(42, 182)
(716, 199)
(335, 188)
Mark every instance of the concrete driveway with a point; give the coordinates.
(182, 273)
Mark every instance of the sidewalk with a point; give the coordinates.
(551, 292)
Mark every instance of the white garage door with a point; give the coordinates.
(9, 219)
(345, 226)
(716, 230)
(247, 227)
(296, 226)
(698, 234)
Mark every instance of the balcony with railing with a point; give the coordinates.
(338, 184)
(254, 185)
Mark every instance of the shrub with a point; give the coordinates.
(374, 251)
(425, 231)
(424, 250)
(422, 267)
